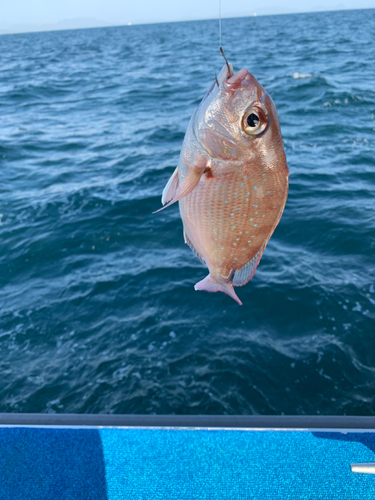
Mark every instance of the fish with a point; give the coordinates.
(231, 180)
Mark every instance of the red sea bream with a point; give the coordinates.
(231, 180)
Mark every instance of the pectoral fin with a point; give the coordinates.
(184, 188)
(170, 189)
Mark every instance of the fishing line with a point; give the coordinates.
(220, 46)
(219, 23)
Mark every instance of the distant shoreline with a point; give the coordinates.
(89, 23)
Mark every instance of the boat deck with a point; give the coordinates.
(176, 458)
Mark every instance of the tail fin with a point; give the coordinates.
(209, 285)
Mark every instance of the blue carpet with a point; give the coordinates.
(224, 465)
(46, 464)
(156, 464)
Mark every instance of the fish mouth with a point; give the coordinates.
(238, 78)
(225, 73)
(227, 78)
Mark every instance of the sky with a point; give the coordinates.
(35, 15)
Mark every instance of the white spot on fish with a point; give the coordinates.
(255, 187)
(235, 244)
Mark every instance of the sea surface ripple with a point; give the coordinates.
(98, 309)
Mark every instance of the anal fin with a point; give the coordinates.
(244, 274)
(188, 242)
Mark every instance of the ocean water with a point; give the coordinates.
(98, 313)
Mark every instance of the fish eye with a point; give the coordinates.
(254, 121)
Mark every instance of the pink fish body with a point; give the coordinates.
(231, 180)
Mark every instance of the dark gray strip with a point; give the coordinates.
(225, 421)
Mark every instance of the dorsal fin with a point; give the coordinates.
(244, 274)
(188, 242)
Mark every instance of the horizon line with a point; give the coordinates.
(45, 28)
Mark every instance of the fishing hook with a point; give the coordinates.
(226, 61)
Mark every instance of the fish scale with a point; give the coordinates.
(245, 234)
